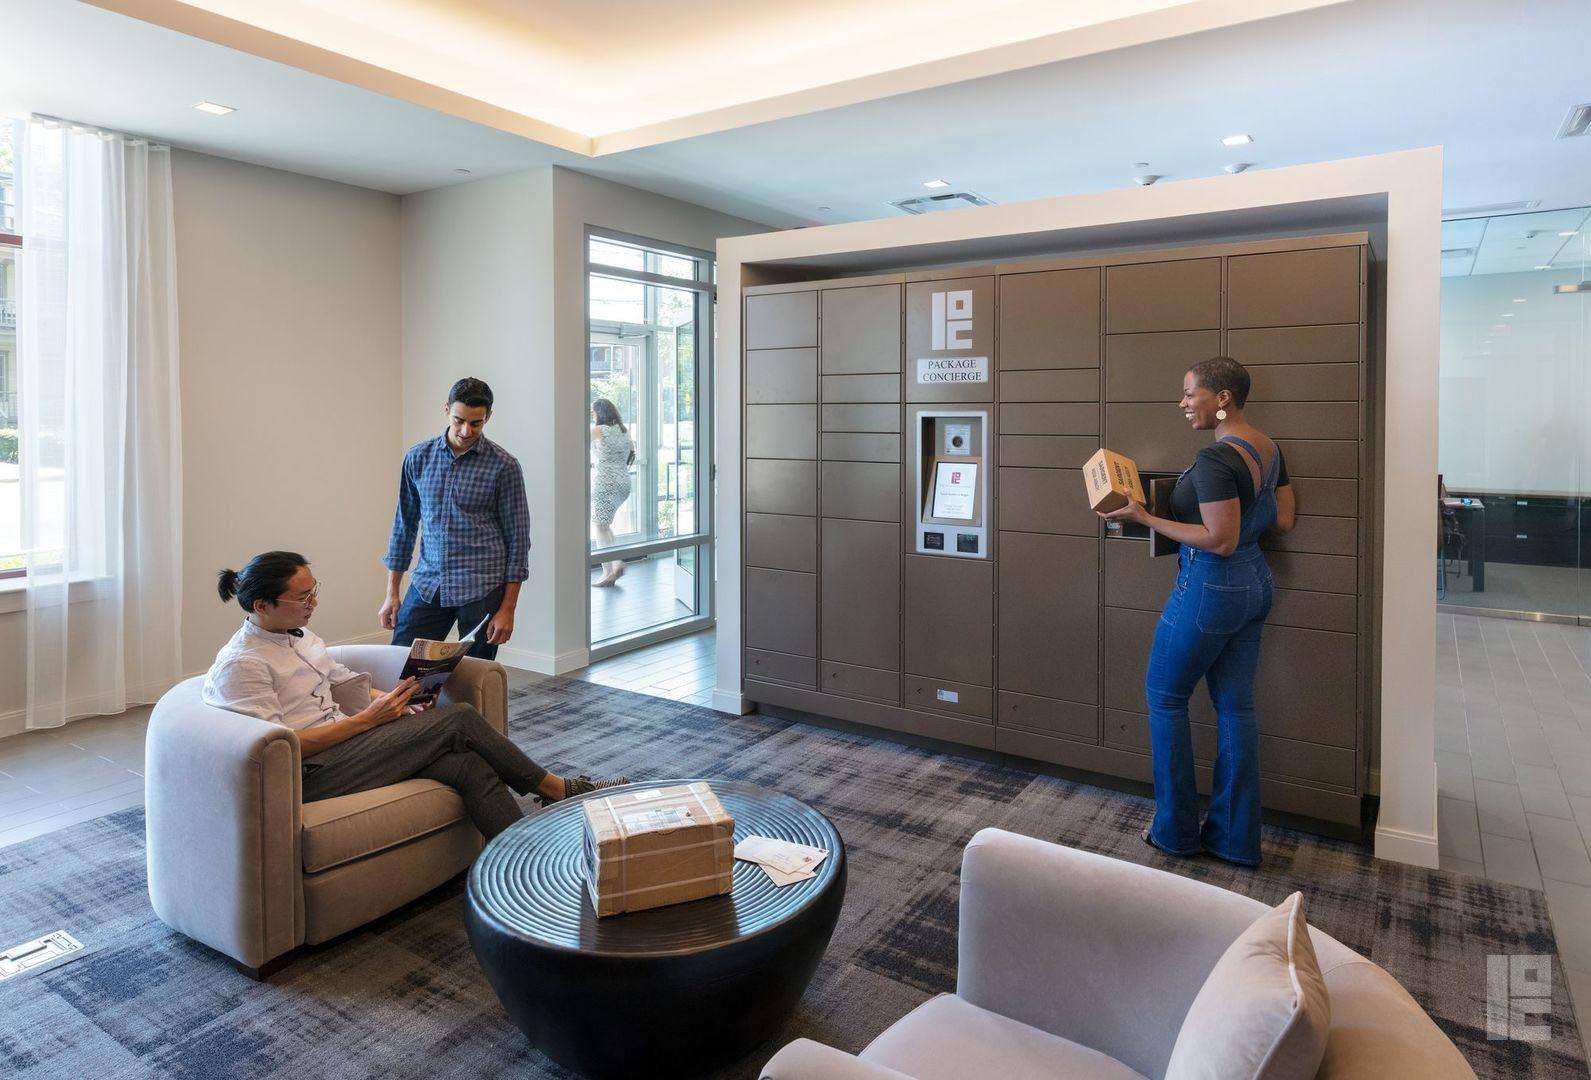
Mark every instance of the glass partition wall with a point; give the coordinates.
(648, 329)
(1514, 445)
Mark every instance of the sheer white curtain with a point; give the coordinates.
(98, 432)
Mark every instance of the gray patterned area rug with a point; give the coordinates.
(404, 997)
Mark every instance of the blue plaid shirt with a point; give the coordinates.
(471, 514)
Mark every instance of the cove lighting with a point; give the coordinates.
(1237, 140)
(213, 109)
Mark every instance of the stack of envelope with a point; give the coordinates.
(785, 863)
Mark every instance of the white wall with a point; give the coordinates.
(494, 286)
(289, 316)
(1410, 182)
(478, 300)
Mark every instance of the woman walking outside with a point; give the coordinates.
(614, 453)
(1236, 490)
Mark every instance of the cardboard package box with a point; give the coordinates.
(657, 846)
(1112, 479)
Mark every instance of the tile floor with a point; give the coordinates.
(55, 778)
(683, 669)
(643, 598)
(1513, 753)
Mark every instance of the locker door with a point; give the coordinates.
(949, 618)
(861, 593)
(1049, 616)
(1050, 320)
(861, 330)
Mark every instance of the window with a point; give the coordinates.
(10, 472)
(647, 305)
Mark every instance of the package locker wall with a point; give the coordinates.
(1043, 645)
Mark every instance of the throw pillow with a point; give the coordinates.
(1263, 1012)
(352, 695)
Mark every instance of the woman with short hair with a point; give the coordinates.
(1236, 490)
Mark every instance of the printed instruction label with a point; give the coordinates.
(958, 369)
(948, 695)
(955, 487)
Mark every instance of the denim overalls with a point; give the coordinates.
(1210, 629)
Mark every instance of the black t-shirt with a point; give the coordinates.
(1219, 472)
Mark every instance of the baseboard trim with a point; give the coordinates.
(1416, 849)
(730, 701)
(544, 663)
(12, 722)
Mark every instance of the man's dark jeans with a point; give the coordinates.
(420, 618)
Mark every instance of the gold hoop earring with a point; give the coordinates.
(1220, 414)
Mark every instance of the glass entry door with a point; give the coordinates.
(649, 308)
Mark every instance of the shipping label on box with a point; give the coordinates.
(657, 846)
(1112, 479)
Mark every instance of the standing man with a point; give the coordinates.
(466, 497)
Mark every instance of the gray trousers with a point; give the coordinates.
(452, 744)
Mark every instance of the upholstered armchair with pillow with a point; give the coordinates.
(1081, 966)
(240, 863)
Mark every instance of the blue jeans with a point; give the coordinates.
(1210, 630)
(421, 618)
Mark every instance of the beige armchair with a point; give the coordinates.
(1078, 965)
(237, 860)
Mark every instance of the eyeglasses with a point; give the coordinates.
(311, 597)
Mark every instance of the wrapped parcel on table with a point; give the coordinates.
(657, 846)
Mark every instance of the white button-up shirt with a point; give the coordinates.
(278, 677)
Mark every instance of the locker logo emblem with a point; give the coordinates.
(952, 314)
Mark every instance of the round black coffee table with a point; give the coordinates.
(674, 991)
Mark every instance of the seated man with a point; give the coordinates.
(276, 670)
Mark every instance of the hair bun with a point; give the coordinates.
(227, 584)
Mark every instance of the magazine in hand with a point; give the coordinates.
(432, 662)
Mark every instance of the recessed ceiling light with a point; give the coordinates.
(213, 109)
(1544, 266)
(461, 172)
(824, 209)
(1569, 232)
(1237, 140)
(936, 183)
(1506, 315)
(1140, 164)
(1145, 181)
(1235, 167)
(1519, 299)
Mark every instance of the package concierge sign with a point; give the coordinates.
(952, 332)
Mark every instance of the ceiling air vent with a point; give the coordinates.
(1577, 123)
(950, 200)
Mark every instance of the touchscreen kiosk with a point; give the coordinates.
(952, 483)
